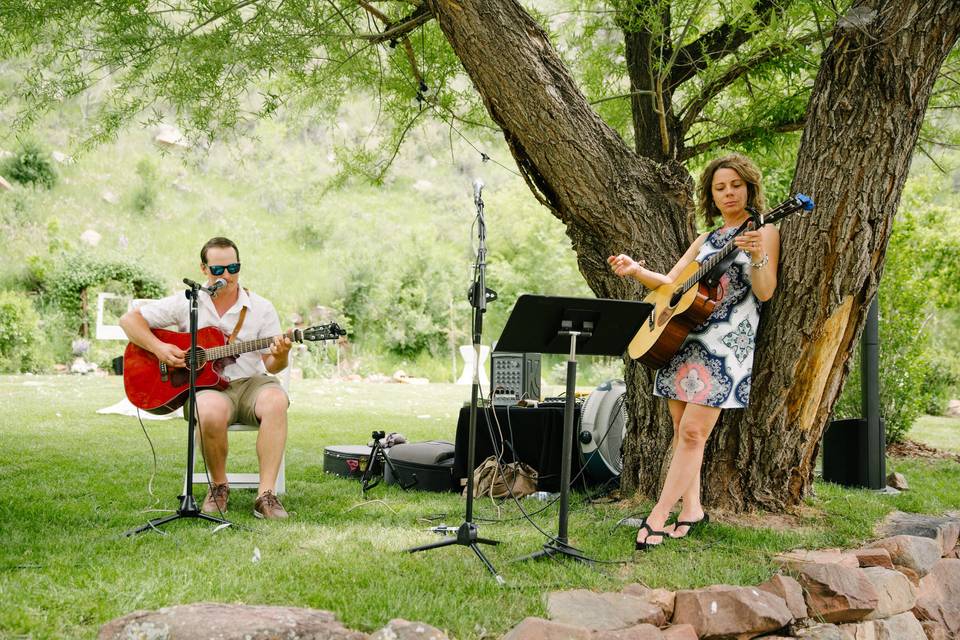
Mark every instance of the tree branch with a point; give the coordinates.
(621, 96)
(398, 30)
(715, 44)
(692, 110)
(739, 136)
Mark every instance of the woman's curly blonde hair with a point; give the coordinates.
(746, 169)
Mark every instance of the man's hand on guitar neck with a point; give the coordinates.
(279, 352)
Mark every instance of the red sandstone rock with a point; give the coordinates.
(914, 552)
(727, 612)
(896, 593)
(790, 590)
(836, 593)
(874, 557)
(229, 622)
(594, 610)
(938, 599)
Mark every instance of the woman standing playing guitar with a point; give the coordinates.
(712, 369)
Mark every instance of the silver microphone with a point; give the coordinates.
(477, 188)
(220, 283)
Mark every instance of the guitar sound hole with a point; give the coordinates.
(196, 359)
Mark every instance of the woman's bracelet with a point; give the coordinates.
(763, 262)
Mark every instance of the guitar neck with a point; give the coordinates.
(707, 266)
(785, 208)
(235, 349)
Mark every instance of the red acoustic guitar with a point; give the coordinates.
(154, 387)
(686, 303)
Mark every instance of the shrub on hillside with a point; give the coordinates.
(31, 165)
(941, 381)
(145, 195)
(18, 333)
(404, 302)
(912, 373)
(71, 277)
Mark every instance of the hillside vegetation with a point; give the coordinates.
(392, 259)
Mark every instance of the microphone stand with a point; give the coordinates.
(467, 534)
(188, 506)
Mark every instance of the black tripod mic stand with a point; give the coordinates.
(479, 295)
(377, 466)
(188, 505)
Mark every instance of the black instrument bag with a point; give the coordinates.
(427, 466)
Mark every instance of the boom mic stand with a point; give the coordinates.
(479, 295)
(188, 506)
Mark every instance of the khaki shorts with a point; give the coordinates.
(242, 394)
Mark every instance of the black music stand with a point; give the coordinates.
(188, 505)
(590, 326)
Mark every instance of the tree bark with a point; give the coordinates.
(867, 105)
(863, 120)
(610, 199)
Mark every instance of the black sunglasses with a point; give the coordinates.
(217, 269)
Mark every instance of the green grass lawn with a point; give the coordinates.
(72, 481)
(937, 431)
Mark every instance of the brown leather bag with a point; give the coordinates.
(489, 481)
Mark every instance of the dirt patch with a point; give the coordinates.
(914, 449)
(793, 521)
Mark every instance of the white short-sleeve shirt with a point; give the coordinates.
(261, 321)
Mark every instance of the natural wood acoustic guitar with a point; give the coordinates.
(687, 302)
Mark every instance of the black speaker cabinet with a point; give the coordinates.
(514, 377)
(852, 456)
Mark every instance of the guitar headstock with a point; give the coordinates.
(321, 332)
(796, 202)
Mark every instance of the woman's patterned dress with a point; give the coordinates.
(714, 364)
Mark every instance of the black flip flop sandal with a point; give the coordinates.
(644, 546)
(691, 525)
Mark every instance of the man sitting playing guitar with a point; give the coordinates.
(252, 397)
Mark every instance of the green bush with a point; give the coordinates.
(18, 333)
(31, 165)
(941, 381)
(912, 374)
(73, 275)
(145, 195)
(404, 303)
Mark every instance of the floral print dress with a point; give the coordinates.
(714, 364)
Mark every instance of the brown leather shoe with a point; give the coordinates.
(217, 497)
(269, 507)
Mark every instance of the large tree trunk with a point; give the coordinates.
(863, 120)
(865, 113)
(610, 199)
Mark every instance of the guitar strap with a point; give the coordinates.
(236, 329)
(712, 279)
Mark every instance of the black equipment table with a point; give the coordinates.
(533, 435)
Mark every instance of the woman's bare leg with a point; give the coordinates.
(683, 477)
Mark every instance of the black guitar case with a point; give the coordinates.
(346, 461)
(427, 466)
